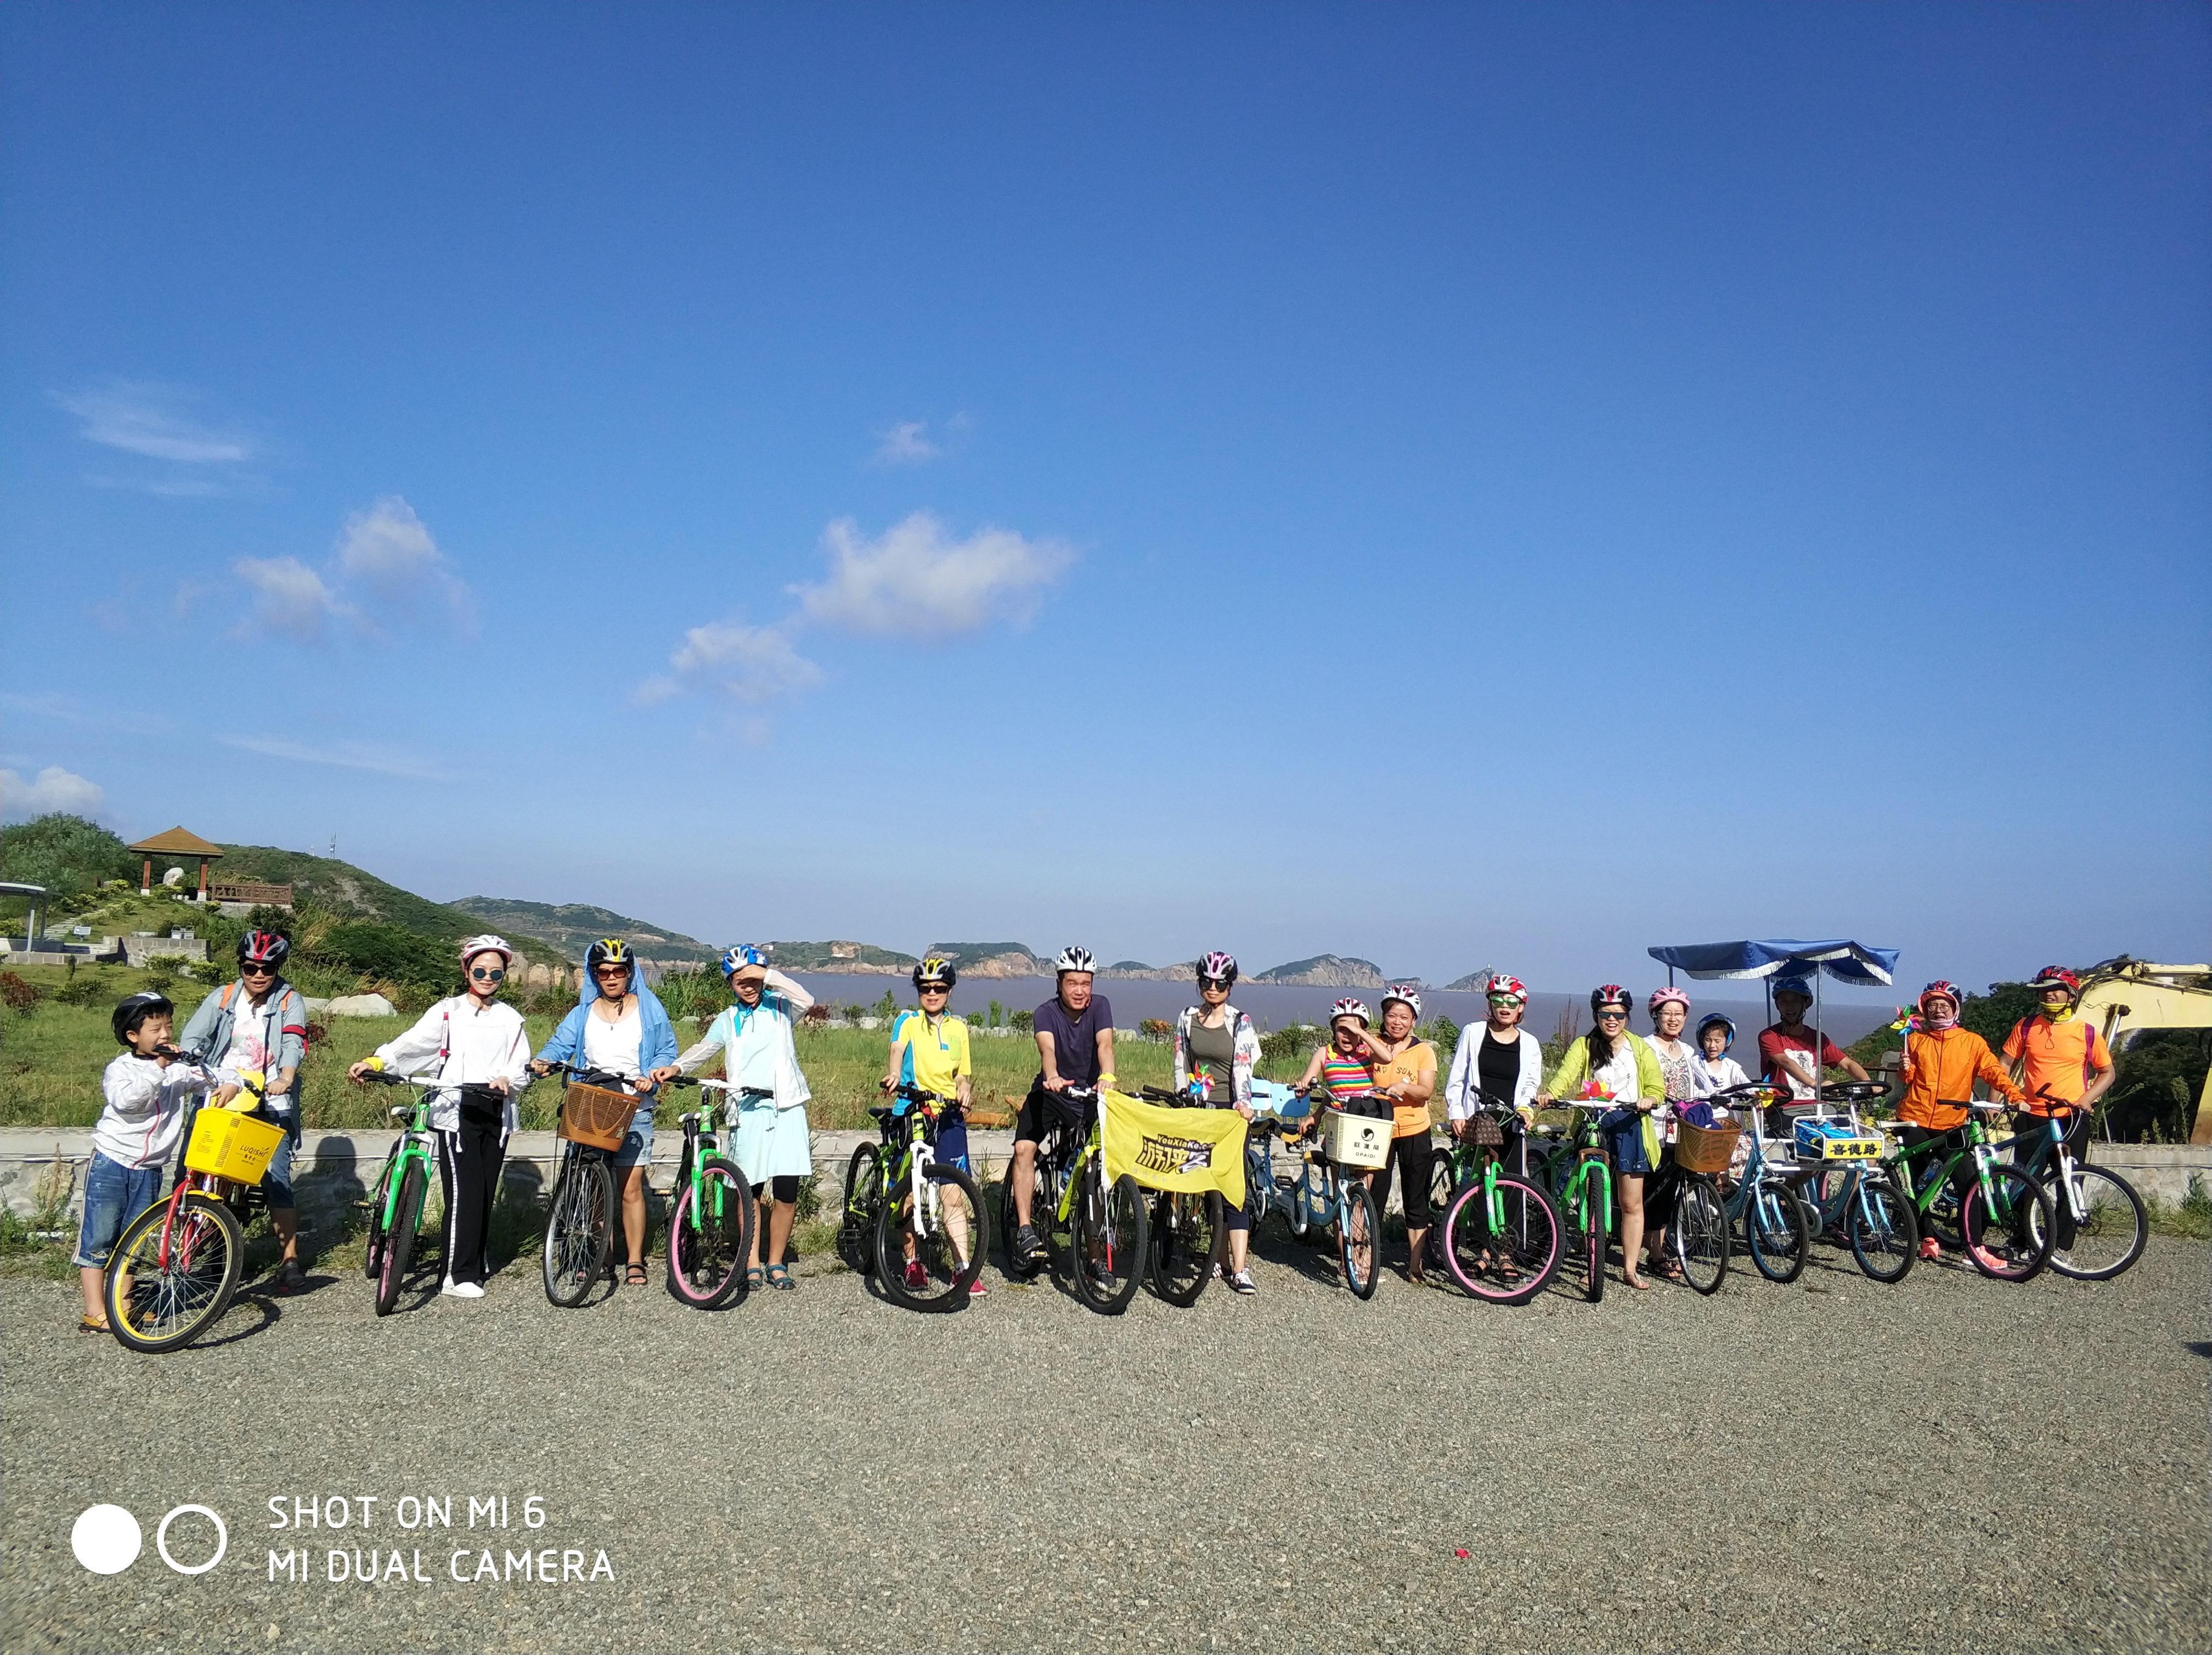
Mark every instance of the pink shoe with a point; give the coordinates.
(916, 1277)
(1930, 1248)
(976, 1289)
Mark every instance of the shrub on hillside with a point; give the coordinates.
(373, 949)
(67, 854)
(17, 995)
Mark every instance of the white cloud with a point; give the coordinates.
(292, 598)
(344, 755)
(143, 418)
(917, 579)
(52, 790)
(753, 663)
(905, 444)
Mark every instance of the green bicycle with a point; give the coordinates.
(2003, 1219)
(712, 1214)
(395, 1211)
(1583, 1189)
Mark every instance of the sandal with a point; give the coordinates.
(634, 1276)
(753, 1279)
(291, 1278)
(779, 1277)
(1636, 1283)
(86, 1324)
(1666, 1270)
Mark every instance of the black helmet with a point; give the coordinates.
(936, 969)
(136, 1010)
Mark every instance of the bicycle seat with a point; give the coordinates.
(881, 1112)
(400, 1111)
(688, 1118)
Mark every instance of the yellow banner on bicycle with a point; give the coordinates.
(1185, 1150)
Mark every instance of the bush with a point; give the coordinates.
(17, 995)
(371, 949)
(67, 854)
(92, 989)
(1283, 1046)
(701, 994)
(1155, 1028)
(1020, 1020)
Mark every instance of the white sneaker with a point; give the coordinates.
(462, 1290)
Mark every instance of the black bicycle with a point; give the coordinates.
(595, 1116)
(1190, 1232)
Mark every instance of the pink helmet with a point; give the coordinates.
(1669, 995)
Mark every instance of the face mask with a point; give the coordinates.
(2057, 1013)
(1940, 1019)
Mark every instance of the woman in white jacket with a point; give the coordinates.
(475, 1045)
(1498, 1067)
(769, 1139)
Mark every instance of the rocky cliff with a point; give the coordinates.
(1327, 971)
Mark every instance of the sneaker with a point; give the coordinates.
(1930, 1248)
(916, 1277)
(462, 1290)
(1242, 1282)
(976, 1289)
(1027, 1247)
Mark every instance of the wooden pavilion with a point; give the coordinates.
(177, 841)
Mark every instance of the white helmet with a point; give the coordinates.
(486, 943)
(1405, 992)
(1075, 959)
(1349, 1008)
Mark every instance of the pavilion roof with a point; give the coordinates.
(177, 841)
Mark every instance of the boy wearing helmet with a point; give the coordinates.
(475, 1044)
(258, 1025)
(144, 1093)
(1074, 1034)
(2062, 1062)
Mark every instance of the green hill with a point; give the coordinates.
(837, 957)
(348, 892)
(573, 926)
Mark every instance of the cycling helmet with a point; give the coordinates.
(136, 1010)
(935, 970)
(486, 943)
(1794, 985)
(1948, 990)
(1218, 967)
(1405, 993)
(608, 950)
(1348, 1007)
(1507, 987)
(263, 948)
(2056, 977)
(1669, 995)
(735, 960)
(1713, 1020)
(1075, 959)
(1612, 994)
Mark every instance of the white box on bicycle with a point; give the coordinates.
(1355, 1140)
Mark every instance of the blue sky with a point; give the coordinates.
(1456, 485)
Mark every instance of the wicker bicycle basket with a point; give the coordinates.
(597, 1116)
(1705, 1149)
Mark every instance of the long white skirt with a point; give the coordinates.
(769, 1142)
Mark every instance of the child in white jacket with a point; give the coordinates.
(146, 1090)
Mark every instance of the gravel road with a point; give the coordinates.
(1300, 1471)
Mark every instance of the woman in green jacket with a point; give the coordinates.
(1610, 1062)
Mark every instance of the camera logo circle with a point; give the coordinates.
(107, 1539)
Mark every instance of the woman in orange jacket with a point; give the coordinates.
(1942, 1060)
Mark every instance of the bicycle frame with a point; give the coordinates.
(2053, 1161)
(700, 1141)
(412, 1145)
(1592, 1165)
(1925, 1194)
(912, 1134)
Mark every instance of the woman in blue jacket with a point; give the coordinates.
(620, 1029)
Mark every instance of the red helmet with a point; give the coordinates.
(1611, 994)
(1948, 990)
(1503, 985)
(263, 948)
(2056, 977)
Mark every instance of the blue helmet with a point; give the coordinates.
(1714, 1019)
(736, 959)
(1794, 985)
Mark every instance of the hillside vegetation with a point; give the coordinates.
(572, 927)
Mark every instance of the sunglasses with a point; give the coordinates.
(1611, 1015)
(257, 971)
(1506, 1002)
(1212, 983)
(492, 975)
(612, 970)
(935, 989)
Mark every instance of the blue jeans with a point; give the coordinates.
(277, 1182)
(113, 1194)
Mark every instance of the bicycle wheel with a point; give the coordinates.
(948, 1235)
(2007, 1233)
(1700, 1234)
(710, 1235)
(1595, 1235)
(1190, 1235)
(1940, 1217)
(1510, 1263)
(1111, 1241)
(1442, 1186)
(372, 1255)
(2110, 1234)
(578, 1231)
(1775, 1232)
(159, 1299)
(1310, 1208)
(864, 1199)
(1359, 1238)
(399, 1243)
(1879, 1224)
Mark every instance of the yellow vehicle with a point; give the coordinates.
(2125, 996)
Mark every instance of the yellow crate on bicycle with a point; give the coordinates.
(230, 1145)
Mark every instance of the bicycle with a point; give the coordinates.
(1581, 1176)
(1853, 1195)
(395, 1211)
(595, 1116)
(2100, 1225)
(1300, 1198)
(713, 1216)
(1699, 1233)
(928, 1239)
(1345, 1197)
(1101, 1233)
(174, 1268)
(1760, 1201)
(1501, 1232)
(2004, 1220)
(1190, 1232)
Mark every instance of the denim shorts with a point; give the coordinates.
(277, 1182)
(637, 1143)
(113, 1194)
(1623, 1137)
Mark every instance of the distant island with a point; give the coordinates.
(1327, 971)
